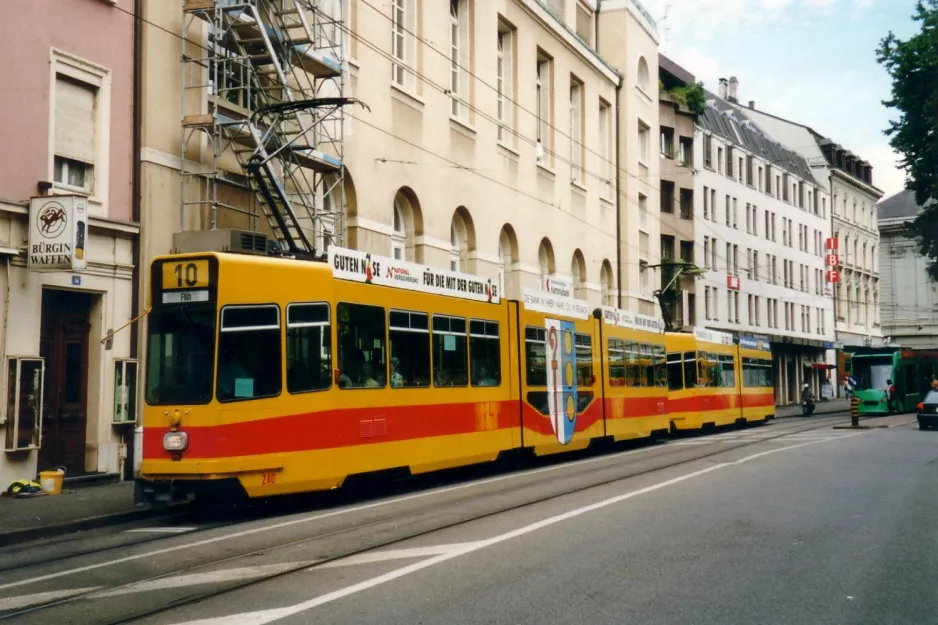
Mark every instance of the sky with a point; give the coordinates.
(809, 61)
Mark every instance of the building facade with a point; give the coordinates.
(520, 149)
(849, 180)
(628, 40)
(67, 238)
(853, 202)
(908, 295)
(760, 231)
(676, 158)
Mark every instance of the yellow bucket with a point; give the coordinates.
(51, 481)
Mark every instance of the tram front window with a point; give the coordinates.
(180, 352)
(872, 373)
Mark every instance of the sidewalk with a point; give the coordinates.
(79, 507)
(822, 407)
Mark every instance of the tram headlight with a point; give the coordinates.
(175, 441)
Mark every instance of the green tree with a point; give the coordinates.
(913, 66)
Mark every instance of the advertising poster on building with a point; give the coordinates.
(58, 233)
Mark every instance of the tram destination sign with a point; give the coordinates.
(383, 271)
(550, 304)
(713, 336)
(58, 233)
(634, 321)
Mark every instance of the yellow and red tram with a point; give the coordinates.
(269, 376)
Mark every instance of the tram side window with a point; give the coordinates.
(361, 346)
(535, 356)
(910, 379)
(449, 351)
(583, 344)
(727, 377)
(708, 369)
(757, 373)
(249, 361)
(648, 364)
(768, 377)
(484, 353)
(409, 334)
(748, 372)
(661, 369)
(309, 348)
(690, 369)
(675, 375)
(616, 349)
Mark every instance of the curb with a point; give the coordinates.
(88, 523)
(816, 413)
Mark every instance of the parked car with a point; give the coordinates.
(928, 411)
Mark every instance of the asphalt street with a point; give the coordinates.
(786, 523)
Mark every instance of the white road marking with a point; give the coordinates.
(753, 438)
(209, 577)
(161, 530)
(392, 554)
(318, 517)
(268, 616)
(24, 601)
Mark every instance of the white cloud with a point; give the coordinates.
(703, 67)
(705, 19)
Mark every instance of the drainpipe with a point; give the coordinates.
(618, 199)
(599, 6)
(135, 210)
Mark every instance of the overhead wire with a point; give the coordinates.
(489, 118)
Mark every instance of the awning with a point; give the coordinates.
(819, 365)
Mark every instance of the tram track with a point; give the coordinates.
(573, 477)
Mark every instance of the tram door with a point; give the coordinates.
(64, 345)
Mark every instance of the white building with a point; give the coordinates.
(909, 297)
(849, 180)
(760, 225)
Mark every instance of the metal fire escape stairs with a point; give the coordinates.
(263, 81)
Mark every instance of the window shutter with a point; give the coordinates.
(74, 120)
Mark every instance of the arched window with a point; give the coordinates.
(644, 77)
(407, 226)
(454, 247)
(578, 272)
(507, 257)
(605, 282)
(545, 258)
(399, 237)
(461, 241)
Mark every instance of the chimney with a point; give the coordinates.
(752, 104)
(731, 92)
(722, 92)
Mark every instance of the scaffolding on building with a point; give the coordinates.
(262, 86)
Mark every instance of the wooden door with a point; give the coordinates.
(64, 345)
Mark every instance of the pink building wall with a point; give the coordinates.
(99, 31)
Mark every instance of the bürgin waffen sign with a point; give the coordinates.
(58, 232)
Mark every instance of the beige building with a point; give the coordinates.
(67, 238)
(506, 138)
(495, 153)
(676, 149)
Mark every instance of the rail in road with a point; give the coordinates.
(152, 571)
